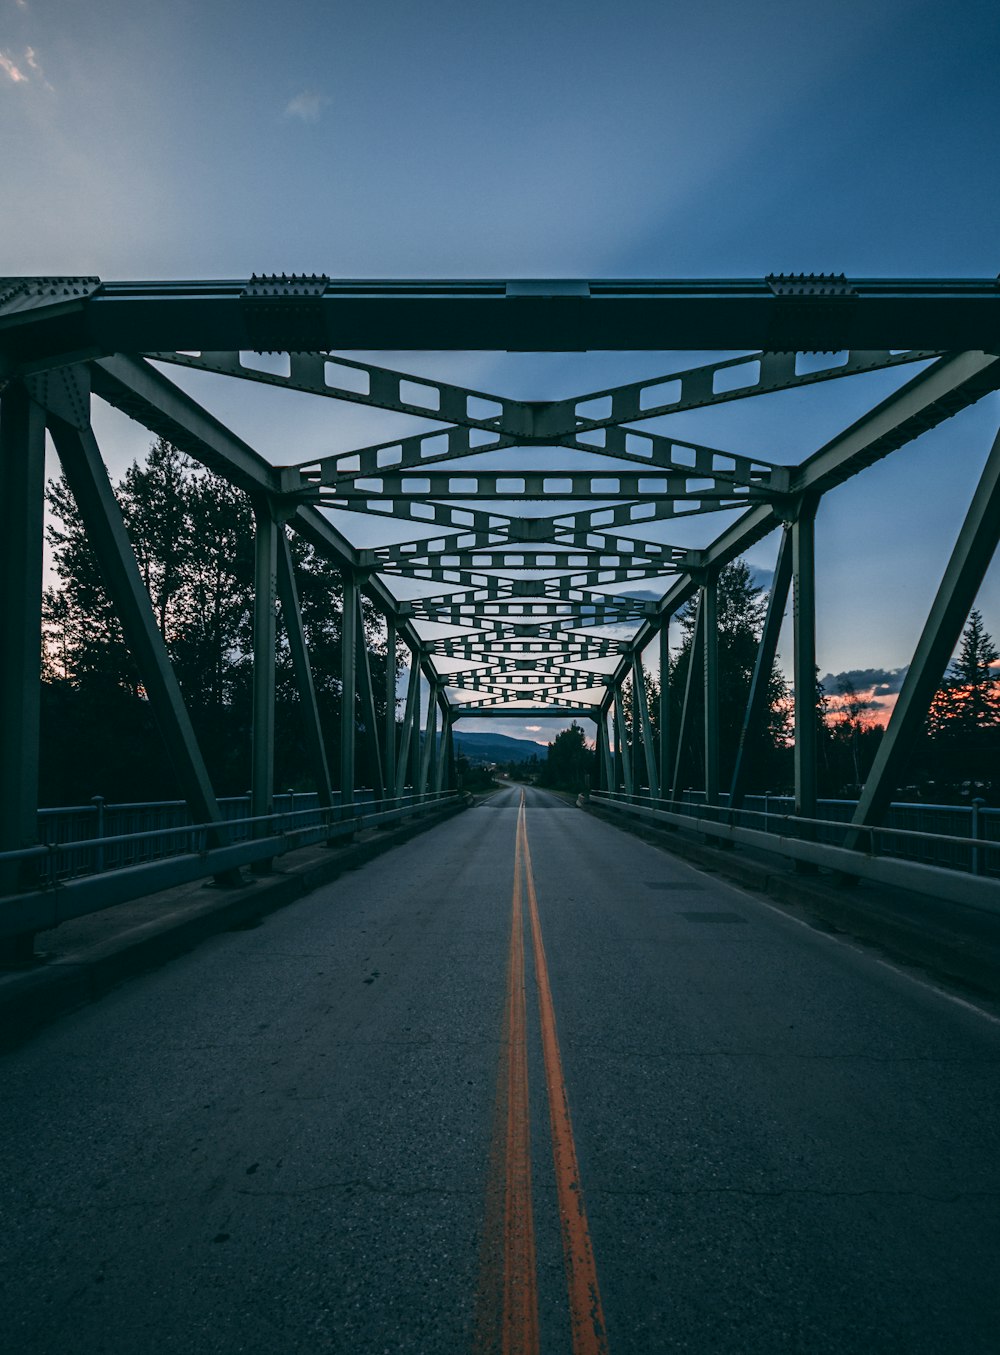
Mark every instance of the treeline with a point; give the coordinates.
(193, 536)
(956, 757)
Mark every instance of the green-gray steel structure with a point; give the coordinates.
(527, 594)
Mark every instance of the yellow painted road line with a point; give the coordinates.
(507, 1308)
(586, 1310)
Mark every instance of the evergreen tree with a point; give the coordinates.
(192, 533)
(570, 762)
(742, 606)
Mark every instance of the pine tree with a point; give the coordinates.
(742, 606)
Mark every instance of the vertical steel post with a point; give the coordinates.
(442, 750)
(368, 706)
(390, 705)
(607, 766)
(616, 750)
(767, 650)
(687, 707)
(430, 732)
(963, 577)
(710, 649)
(640, 709)
(348, 688)
(22, 499)
(622, 734)
(804, 662)
(665, 768)
(292, 614)
(264, 641)
(411, 716)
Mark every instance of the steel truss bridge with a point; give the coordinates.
(529, 577)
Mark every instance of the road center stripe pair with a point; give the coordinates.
(510, 1221)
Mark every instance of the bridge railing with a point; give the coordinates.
(107, 836)
(940, 835)
(72, 877)
(960, 867)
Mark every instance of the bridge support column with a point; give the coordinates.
(368, 704)
(621, 739)
(753, 719)
(430, 739)
(106, 533)
(687, 706)
(390, 706)
(440, 761)
(22, 499)
(806, 711)
(665, 768)
(348, 690)
(292, 614)
(955, 598)
(411, 721)
(640, 708)
(606, 771)
(710, 649)
(264, 640)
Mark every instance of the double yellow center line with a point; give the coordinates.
(510, 1218)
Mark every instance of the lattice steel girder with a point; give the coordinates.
(532, 689)
(595, 554)
(543, 486)
(320, 374)
(577, 651)
(468, 612)
(563, 711)
(555, 705)
(562, 588)
(712, 383)
(139, 390)
(454, 444)
(564, 315)
(469, 578)
(952, 383)
(444, 444)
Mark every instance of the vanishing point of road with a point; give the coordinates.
(524, 1084)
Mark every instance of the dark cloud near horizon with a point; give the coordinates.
(884, 681)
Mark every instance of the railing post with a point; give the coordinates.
(977, 864)
(98, 802)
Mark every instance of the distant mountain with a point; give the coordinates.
(479, 748)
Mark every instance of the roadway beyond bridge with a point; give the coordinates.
(352, 1128)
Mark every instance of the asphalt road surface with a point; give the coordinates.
(656, 1115)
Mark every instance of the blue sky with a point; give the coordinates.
(535, 140)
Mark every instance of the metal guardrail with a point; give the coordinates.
(938, 835)
(62, 880)
(798, 838)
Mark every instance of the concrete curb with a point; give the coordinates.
(31, 998)
(953, 944)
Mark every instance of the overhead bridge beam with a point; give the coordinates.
(91, 318)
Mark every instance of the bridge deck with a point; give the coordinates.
(308, 1136)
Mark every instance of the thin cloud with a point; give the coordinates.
(11, 70)
(307, 106)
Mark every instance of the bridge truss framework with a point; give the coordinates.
(527, 597)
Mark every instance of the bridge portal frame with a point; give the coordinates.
(63, 340)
